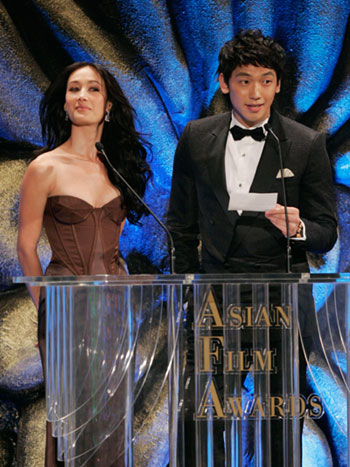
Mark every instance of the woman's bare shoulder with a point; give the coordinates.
(45, 162)
(47, 158)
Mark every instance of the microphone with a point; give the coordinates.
(269, 129)
(100, 148)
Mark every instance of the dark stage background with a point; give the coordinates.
(164, 54)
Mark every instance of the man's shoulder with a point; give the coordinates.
(206, 124)
(296, 130)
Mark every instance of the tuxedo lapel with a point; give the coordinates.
(216, 163)
(269, 163)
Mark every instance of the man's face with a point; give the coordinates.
(252, 90)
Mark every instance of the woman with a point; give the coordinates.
(70, 190)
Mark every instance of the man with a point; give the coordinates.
(215, 160)
(209, 165)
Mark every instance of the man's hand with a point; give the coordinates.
(277, 217)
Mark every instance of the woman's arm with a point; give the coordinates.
(122, 227)
(35, 189)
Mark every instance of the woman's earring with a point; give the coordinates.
(108, 116)
(66, 116)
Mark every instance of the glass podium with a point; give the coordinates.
(239, 347)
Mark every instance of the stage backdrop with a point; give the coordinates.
(164, 55)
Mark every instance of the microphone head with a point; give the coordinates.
(99, 146)
(269, 129)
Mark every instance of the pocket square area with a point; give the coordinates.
(286, 173)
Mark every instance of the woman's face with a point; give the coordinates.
(86, 97)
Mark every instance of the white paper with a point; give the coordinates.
(252, 201)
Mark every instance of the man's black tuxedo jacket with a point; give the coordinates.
(199, 200)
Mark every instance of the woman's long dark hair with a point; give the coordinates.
(125, 147)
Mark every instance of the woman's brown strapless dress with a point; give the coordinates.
(84, 241)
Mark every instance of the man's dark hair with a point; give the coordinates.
(250, 47)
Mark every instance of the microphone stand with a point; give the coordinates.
(288, 248)
(100, 148)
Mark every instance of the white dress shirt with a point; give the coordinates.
(241, 160)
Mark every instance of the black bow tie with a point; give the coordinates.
(239, 133)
